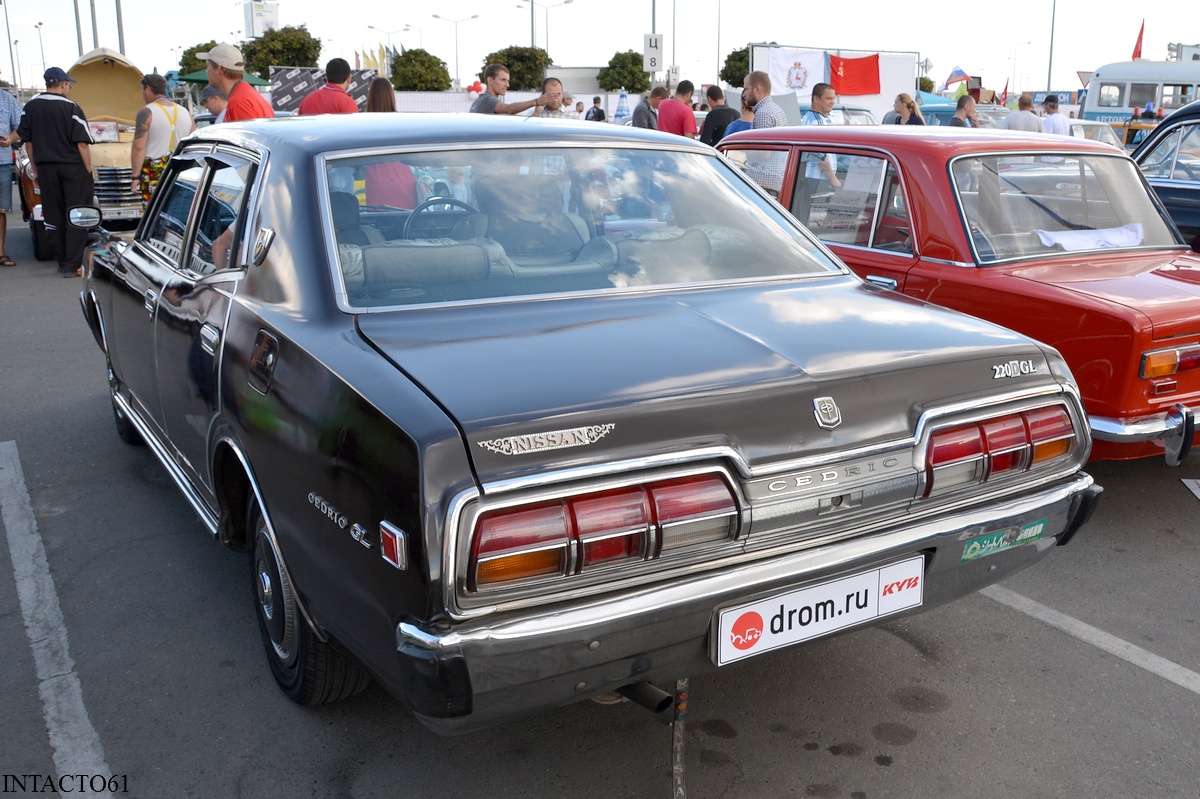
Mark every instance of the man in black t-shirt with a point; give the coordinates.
(56, 137)
(596, 112)
(718, 118)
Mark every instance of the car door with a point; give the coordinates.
(1172, 166)
(139, 275)
(193, 309)
(864, 219)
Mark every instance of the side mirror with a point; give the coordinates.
(262, 243)
(85, 216)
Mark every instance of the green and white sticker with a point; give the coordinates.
(998, 542)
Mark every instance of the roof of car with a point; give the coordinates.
(311, 135)
(946, 140)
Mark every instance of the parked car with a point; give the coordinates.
(989, 116)
(612, 418)
(1134, 131)
(1057, 237)
(1096, 131)
(1170, 159)
(843, 114)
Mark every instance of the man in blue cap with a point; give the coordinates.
(56, 136)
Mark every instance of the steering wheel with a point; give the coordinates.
(430, 203)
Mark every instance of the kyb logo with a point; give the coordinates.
(746, 631)
(902, 585)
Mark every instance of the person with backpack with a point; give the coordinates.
(595, 113)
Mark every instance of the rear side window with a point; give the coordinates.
(166, 231)
(1176, 157)
(865, 207)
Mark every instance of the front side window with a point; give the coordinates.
(164, 232)
(213, 247)
(460, 225)
(1039, 204)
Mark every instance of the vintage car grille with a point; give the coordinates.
(112, 186)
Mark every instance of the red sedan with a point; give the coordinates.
(1056, 237)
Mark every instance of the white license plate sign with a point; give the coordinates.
(757, 627)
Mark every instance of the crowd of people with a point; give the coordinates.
(55, 132)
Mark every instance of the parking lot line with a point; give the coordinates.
(1173, 672)
(77, 748)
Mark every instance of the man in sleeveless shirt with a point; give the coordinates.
(160, 124)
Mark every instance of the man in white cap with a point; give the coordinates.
(227, 71)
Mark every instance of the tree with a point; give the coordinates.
(419, 71)
(526, 66)
(291, 46)
(188, 61)
(737, 67)
(925, 84)
(624, 71)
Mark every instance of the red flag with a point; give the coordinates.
(854, 75)
(1004, 96)
(1137, 48)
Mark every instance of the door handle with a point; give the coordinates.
(882, 282)
(209, 338)
(151, 298)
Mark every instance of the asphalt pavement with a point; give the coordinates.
(1077, 678)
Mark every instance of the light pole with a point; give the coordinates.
(420, 34)
(1050, 65)
(40, 46)
(1016, 50)
(17, 61)
(389, 35)
(456, 23)
(546, 9)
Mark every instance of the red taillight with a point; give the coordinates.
(579, 534)
(971, 454)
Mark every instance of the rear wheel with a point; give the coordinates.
(41, 240)
(310, 671)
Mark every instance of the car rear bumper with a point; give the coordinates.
(488, 671)
(1175, 428)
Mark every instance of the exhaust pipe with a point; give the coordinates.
(648, 696)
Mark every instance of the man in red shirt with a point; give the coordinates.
(332, 97)
(675, 115)
(227, 71)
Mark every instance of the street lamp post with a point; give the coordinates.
(1016, 49)
(420, 34)
(546, 8)
(389, 50)
(17, 61)
(1050, 65)
(41, 46)
(456, 23)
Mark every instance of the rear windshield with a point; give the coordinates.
(414, 228)
(1022, 205)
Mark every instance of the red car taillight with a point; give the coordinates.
(991, 449)
(585, 533)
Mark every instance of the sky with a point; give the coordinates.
(1009, 45)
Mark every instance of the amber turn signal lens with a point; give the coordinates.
(520, 566)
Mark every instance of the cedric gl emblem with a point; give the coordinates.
(827, 413)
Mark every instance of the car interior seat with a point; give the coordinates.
(346, 222)
(524, 214)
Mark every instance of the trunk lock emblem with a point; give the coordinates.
(827, 413)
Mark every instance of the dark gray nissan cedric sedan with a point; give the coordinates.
(510, 413)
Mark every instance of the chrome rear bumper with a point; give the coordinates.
(1176, 428)
(490, 670)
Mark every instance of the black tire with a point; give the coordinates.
(309, 671)
(42, 250)
(125, 428)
